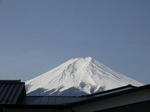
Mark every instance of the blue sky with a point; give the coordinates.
(38, 35)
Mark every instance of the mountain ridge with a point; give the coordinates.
(77, 76)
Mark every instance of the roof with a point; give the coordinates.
(10, 91)
(66, 100)
(51, 100)
(77, 100)
(112, 93)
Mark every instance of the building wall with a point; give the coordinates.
(116, 101)
(30, 110)
(139, 107)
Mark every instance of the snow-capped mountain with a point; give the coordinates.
(78, 76)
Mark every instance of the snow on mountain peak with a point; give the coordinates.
(77, 76)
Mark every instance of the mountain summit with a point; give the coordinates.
(77, 76)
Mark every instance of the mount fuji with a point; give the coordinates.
(76, 77)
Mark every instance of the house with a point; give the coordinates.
(13, 98)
